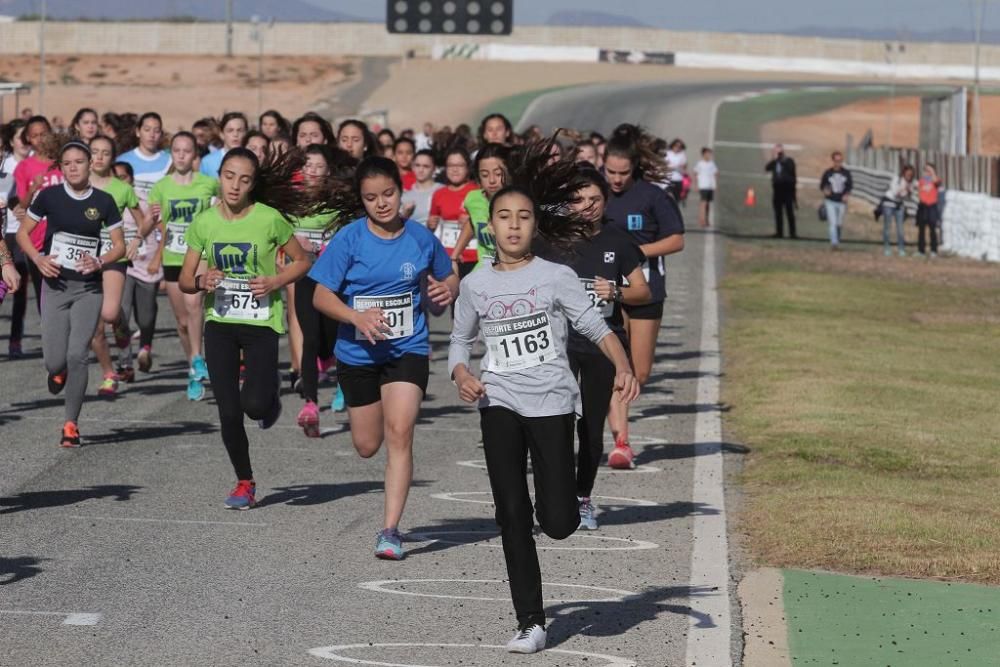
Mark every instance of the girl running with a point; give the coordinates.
(12, 151)
(71, 265)
(446, 214)
(354, 137)
(258, 144)
(491, 174)
(402, 154)
(609, 265)
(85, 125)
(312, 128)
(241, 236)
(417, 200)
(271, 124)
(652, 218)
(495, 129)
(523, 306)
(149, 162)
(102, 151)
(373, 280)
(174, 201)
(234, 127)
(323, 163)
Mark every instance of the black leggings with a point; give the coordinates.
(596, 375)
(141, 297)
(19, 306)
(507, 438)
(259, 396)
(319, 333)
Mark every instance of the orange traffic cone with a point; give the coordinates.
(751, 199)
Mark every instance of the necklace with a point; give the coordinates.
(516, 261)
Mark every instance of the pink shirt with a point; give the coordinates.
(25, 173)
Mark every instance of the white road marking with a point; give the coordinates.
(384, 586)
(709, 643)
(247, 524)
(480, 464)
(633, 545)
(333, 653)
(458, 496)
(69, 618)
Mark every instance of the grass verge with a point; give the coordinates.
(868, 400)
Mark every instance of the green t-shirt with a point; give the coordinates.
(478, 208)
(125, 197)
(243, 249)
(179, 204)
(311, 231)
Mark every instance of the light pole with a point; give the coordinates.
(257, 35)
(41, 62)
(892, 51)
(977, 128)
(229, 28)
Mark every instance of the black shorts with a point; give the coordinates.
(362, 385)
(647, 311)
(707, 195)
(172, 274)
(120, 267)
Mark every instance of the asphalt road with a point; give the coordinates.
(121, 553)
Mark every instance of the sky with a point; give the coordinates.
(743, 15)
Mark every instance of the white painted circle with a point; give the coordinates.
(425, 7)
(481, 465)
(497, 26)
(401, 7)
(425, 25)
(472, 8)
(497, 8)
(400, 25)
(448, 25)
(334, 653)
(632, 545)
(448, 8)
(472, 26)
(460, 497)
(384, 586)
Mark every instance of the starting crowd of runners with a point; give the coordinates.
(549, 252)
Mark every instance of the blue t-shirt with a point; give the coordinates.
(211, 163)
(358, 265)
(148, 169)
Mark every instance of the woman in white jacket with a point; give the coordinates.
(894, 208)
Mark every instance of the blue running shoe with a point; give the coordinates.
(338, 400)
(244, 496)
(588, 514)
(199, 369)
(389, 545)
(195, 389)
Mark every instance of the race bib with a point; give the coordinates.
(449, 233)
(519, 342)
(175, 237)
(130, 235)
(605, 308)
(68, 248)
(235, 301)
(312, 240)
(398, 311)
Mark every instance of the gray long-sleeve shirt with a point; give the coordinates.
(523, 316)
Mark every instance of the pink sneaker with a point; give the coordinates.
(309, 419)
(621, 457)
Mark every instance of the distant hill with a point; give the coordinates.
(947, 35)
(596, 19)
(214, 10)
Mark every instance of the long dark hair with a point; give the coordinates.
(638, 147)
(343, 195)
(312, 117)
(587, 175)
(551, 185)
(494, 151)
(339, 162)
(7, 134)
(276, 183)
(284, 127)
(78, 116)
(481, 135)
(371, 143)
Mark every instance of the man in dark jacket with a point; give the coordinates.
(783, 182)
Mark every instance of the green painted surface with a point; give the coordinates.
(863, 621)
(514, 106)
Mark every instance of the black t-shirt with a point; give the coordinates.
(648, 214)
(610, 254)
(74, 225)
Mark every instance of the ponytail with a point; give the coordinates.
(638, 147)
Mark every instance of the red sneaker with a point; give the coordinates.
(244, 496)
(70, 436)
(621, 457)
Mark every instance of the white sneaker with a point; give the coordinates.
(529, 640)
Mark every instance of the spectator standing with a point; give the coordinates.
(783, 184)
(836, 185)
(929, 210)
(708, 174)
(894, 208)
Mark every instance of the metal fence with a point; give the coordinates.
(968, 173)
